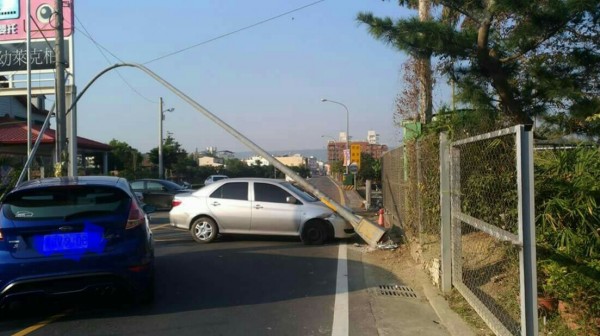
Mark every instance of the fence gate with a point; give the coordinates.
(488, 228)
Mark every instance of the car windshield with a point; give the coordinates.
(62, 202)
(301, 193)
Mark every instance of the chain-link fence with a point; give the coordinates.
(488, 194)
(411, 197)
(493, 246)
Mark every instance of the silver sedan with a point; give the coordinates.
(256, 206)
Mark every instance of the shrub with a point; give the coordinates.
(567, 196)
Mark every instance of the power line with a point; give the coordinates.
(100, 48)
(233, 32)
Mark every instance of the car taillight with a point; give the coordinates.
(136, 216)
(175, 203)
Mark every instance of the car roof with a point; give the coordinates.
(250, 179)
(213, 186)
(77, 180)
(150, 179)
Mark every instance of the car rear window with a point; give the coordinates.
(59, 202)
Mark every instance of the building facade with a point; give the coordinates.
(13, 137)
(211, 161)
(371, 147)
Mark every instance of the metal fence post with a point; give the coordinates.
(527, 255)
(455, 199)
(445, 225)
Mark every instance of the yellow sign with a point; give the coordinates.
(355, 153)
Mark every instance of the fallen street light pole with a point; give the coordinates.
(370, 232)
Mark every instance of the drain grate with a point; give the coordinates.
(395, 291)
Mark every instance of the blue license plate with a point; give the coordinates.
(65, 242)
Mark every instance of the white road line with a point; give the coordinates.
(341, 308)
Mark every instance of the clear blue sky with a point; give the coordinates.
(266, 81)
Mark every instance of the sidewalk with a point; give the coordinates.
(402, 298)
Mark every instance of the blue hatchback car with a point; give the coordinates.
(73, 236)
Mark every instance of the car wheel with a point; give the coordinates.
(204, 230)
(314, 233)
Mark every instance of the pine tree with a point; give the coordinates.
(518, 58)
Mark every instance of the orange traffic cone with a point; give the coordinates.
(381, 212)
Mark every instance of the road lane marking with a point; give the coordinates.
(42, 324)
(162, 226)
(341, 309)
(342, 198)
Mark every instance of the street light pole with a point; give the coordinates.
(161, 117)
(347, 128)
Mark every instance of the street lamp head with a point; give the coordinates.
(323, 100)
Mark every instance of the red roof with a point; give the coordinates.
(14, 132)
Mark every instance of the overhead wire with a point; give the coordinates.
(233, 32)
(100, 48)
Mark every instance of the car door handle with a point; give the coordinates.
(258, 206)
(216, 203)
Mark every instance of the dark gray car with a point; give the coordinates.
(158, 193)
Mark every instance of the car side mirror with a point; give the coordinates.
(291, 200)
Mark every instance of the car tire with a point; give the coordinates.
(314, 233)
(204, 230)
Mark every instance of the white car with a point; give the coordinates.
(256, 206)
(214, 178)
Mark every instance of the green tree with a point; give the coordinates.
(515, 58)
(370, 168)
(337, 167)
(236, 168)
(124, 159)
(174, 156)
(303, 170)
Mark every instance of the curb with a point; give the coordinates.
(450, 319)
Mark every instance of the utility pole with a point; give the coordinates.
(161, 118)
(61, 115)
(160, 138)
(29, 120)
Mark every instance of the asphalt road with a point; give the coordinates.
(234, 286)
